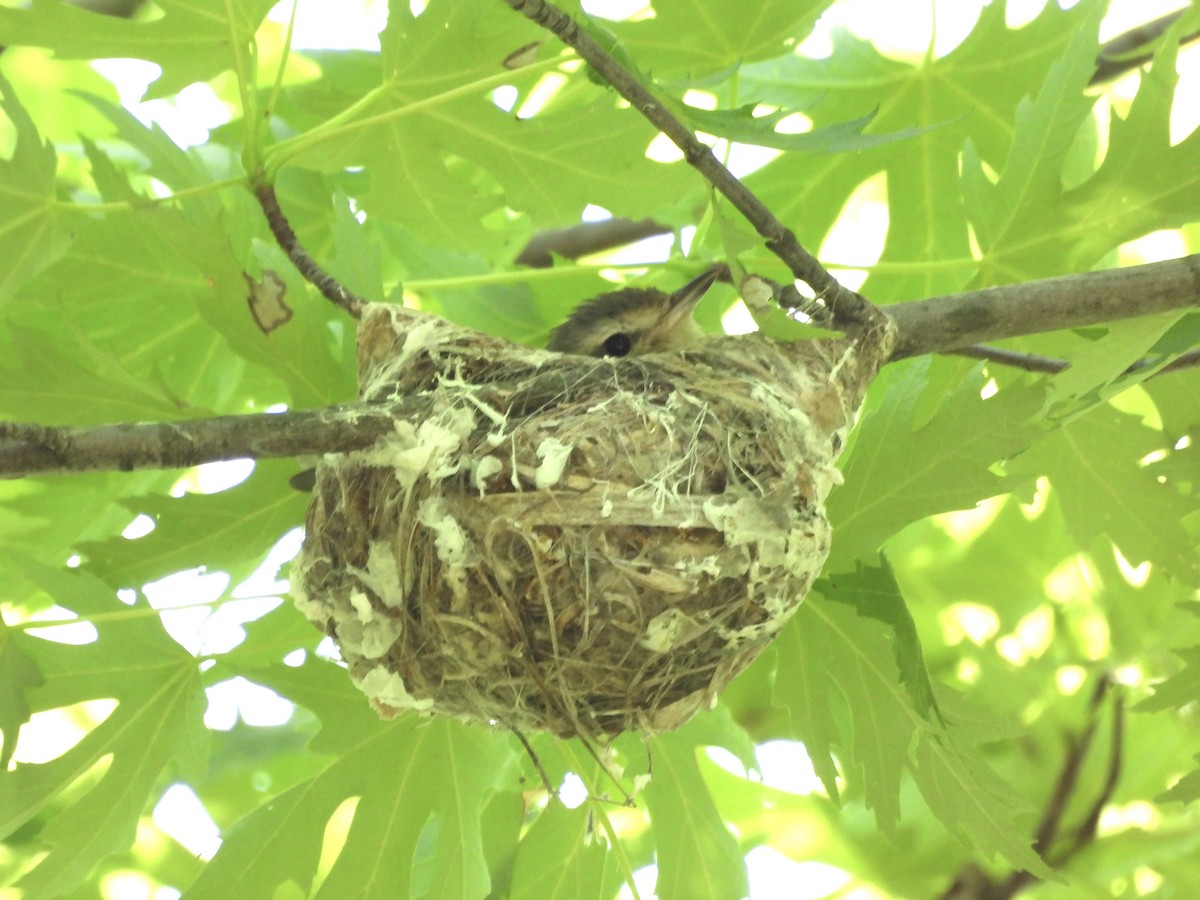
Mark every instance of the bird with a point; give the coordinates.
(629, 322)
(633, 321)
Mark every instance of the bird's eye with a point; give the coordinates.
(617, 344)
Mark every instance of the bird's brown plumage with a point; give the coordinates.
(633, 321)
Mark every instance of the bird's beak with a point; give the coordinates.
(684, 300)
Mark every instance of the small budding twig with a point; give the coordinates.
(329, 286)
(848, 308)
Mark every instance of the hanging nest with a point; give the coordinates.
(570, 544)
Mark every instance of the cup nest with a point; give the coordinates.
(562, 543)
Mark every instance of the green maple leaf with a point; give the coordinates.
(874, 594)
(165, 160)
(421, 786)
(189, 41)
(833, 658)
(1186, 790)
(698, 37)
(560, 860)
(444, 156)
(1104, 367)
(118, 329)
(901, 470)
(1181, 688)
(462, 287)
(697, 856)
(212, 529)
(974, 90)
(1029, 225)
(1144, 183)
(1028, 193)
(156, 727)
(18, 674)
(974, 803)
(59, 376)
(1111, 494)
(828, 653)
(32, 234)
(743, 126)
(46, 518)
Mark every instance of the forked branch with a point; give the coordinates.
(847, 307)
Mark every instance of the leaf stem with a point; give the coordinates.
(277, 86)
(596, 807)
(143, 202)
(522, 276)
(246, 74)
(132, 613)
(354, 118)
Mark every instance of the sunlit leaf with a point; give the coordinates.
(32, 234)
(156, 724)
(1003, 541)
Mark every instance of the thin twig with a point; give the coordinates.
(537, 763)
(849, 309)
(1085, 832)
(1188, 360)
(1133, 48)
(973, 883)
(586, 238)
(1068, 777)
(1030, 362)
(1116, 57)
(329, 286)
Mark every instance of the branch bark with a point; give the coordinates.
(947, 323)
(941, 324)
(585, 238)
(331, 289)
(27, 450)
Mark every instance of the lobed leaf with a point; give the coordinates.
(95, 792)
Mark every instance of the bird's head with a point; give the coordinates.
(633, 321)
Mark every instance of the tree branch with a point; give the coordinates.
(973, 883)
(925, 326)
(27, 450)
(943, 324)
(1134, 47)
(1124, 52)
(331, 289)
(1031, 362)
(585, 238)
(848, 308)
